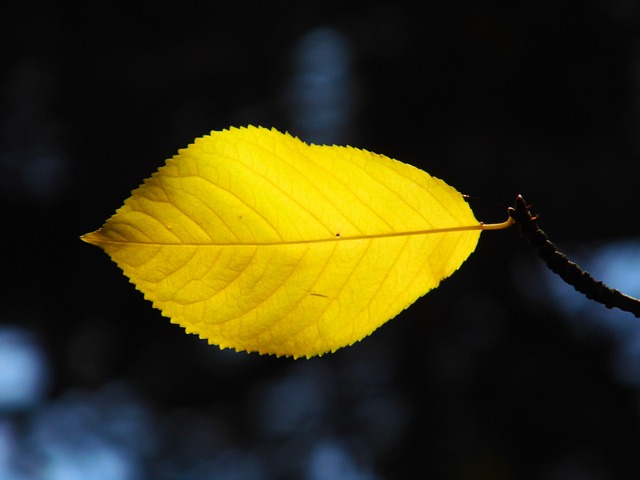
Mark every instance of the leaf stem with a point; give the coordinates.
(498, 226)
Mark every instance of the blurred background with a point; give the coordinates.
(501, 373)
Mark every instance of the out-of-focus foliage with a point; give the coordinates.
(484, 378)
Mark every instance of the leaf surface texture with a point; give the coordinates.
(257, 241)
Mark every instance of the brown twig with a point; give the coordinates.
(569, 271)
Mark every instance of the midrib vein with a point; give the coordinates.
(342, 238)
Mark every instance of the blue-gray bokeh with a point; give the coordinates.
(503, 372)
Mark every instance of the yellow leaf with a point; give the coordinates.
(256, 241)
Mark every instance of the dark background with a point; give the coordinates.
(501, 373)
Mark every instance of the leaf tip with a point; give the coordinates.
(93, 238)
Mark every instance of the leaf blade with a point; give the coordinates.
(288, 249)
